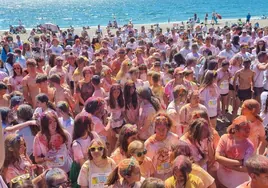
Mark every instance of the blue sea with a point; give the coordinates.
(93, 12)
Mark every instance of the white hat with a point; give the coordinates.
(68, 47)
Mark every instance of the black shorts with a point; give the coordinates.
(257, 91)
(231, 87)
(223, 95)
(244, 94)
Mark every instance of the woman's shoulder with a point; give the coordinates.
(194, 181)
(111, 161)
(172, 135)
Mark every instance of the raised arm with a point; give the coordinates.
(20, 126)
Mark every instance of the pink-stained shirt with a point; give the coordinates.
(256, 133)
(237, 150)
(170, 85)
(173, 112)
(146, 114)
(158, 152)
(99, 93)
(194, 149)
(186, 111)
(132, 114)
(147, 168)
(55, 148)
(80, 147)
(118, 156)
(14, 171)
(97, 126)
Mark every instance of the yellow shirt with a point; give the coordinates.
(192, 182)
(206, 178)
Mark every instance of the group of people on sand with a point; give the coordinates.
(135, 108)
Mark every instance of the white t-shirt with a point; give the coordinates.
(259, 75)
(57, 49)
(224, 85)
(2, 183)
(133, 45)
(265, 80)
(94, 177)
(227, 55)
(210, 100)
(80, 147)
(184, 52)
(264, 115)
(67, 124)
(244, 39)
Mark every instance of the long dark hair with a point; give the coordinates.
(120, 99)
(12, 155)
(130, 99)
(43, 98)
(51, 60)
(147, 94)
(208, 79)
(179, 59)
(44, 121)
(196, 129)
(235, 40)
(82, 124)
(15, 74)
(126, 131)
(263, 49)
(11, 58)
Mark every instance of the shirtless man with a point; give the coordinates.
(59, 68)
(41, 81)
(30, 88)
(4, 98)
(61, 93)
(245, 78)
(116, 64)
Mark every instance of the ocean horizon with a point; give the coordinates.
(78, 13)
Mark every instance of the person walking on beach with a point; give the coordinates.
(248, 18)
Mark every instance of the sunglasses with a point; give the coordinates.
(96, 149)
(139, 154)
(20, 178)
(17, 138)
(121, 52)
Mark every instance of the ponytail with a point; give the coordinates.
(113, 177)
(155, 102)
(51, 106)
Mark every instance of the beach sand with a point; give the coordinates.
(164, 25)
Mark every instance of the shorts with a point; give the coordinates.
(213, 117)
(257, 91)
(223, 95)
(244, 94)
(231, 87)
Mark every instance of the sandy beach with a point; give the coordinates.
(164, 25)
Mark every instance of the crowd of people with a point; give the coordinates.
(135, 108)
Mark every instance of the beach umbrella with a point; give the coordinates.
(50, 26)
